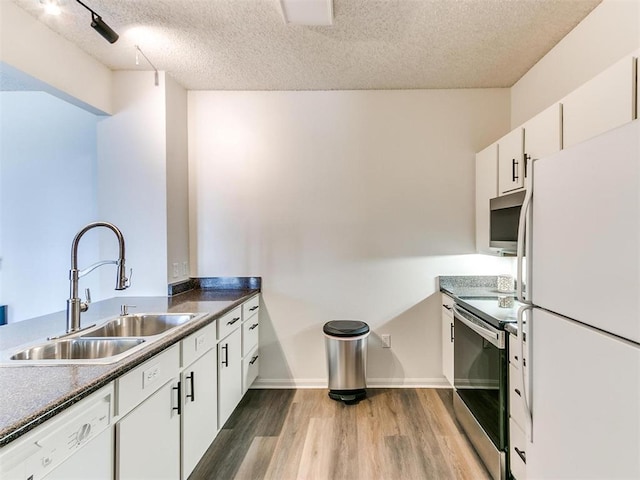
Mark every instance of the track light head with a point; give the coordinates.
(99, 26)
(103, 29)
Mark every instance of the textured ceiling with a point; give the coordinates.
(386, 44)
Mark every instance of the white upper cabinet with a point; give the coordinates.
(603, 103)
(486, 188)
(511, 161)
(543, 133)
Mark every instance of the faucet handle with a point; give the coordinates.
(124, 309)
(84, 306)
(127, 281)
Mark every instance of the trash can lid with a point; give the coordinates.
(345, 328)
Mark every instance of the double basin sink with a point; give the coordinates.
(108, 342)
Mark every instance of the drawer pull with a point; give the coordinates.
(225, 362)
(179, 403)
(521, 454)
(448, 307)
(253, 308)
(518, 392)
(231, 322)
(253, 360)
(253, 326)
(191, 378)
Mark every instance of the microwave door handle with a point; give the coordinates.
(492, 336)
(523, 227)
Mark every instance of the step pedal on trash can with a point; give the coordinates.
(346, 343)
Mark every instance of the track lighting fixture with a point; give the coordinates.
(100, 26)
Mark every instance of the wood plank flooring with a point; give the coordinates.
(304, 435)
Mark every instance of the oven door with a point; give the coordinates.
(480, 380)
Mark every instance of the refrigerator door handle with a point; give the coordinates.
(526, 390)
(523, 228)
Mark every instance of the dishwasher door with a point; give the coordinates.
(93, 462)
(76, 444)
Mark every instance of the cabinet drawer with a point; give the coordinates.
(229, 322)
(515, 355)
(517, 450)
(250, 307)
(447, 305)
(142, 381)
(250, 330)
(198, 343)
(250, 367)
(516, 401)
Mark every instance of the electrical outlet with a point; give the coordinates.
(176, 270)
(386, 340)
(185, 269)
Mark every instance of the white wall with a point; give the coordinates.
(609, 32)
(132, 180)
(62, 67)
(348, 204)
(47, 194)
(177, 181)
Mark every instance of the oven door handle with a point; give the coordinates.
(496, 337)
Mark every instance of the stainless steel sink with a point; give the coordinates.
(78, 349)
(140, 325)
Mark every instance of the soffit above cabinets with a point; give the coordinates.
(372, 44)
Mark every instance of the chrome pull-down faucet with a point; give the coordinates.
(75, 305)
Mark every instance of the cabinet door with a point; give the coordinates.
(447, 338)
(229, 375)
(486, 189)
(200, 413)
(148, 438)
(511, 162)
(250, 369)
(603, 103)
(543, 133)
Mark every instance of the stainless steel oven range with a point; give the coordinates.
(480, 380)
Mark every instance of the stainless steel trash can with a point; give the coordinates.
(346, 342)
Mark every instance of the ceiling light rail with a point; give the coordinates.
(100, 26)
(156, 75)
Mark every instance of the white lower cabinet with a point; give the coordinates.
(148, 438)
(199, 412)
(250, 368)
(517, 410)
(229, 375)
(447, 338)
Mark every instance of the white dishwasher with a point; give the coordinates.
(76, 444)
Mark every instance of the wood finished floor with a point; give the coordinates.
(302, 434)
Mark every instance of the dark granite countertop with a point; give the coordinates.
(29, 395)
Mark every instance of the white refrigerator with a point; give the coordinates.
(583, 340)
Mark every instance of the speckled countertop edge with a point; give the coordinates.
(468, 286)
(85, 379)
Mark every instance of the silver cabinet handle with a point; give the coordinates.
(225, 362)
(191, 377)
(179, 389)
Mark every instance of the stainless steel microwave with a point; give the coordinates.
(503, 221)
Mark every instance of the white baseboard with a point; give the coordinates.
(264, 383)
